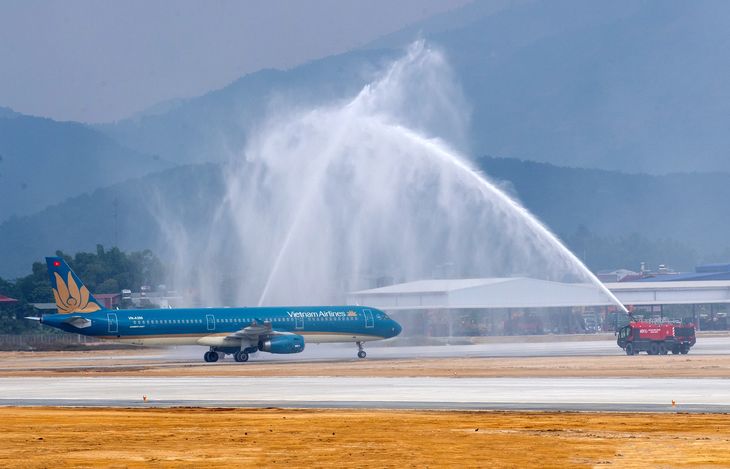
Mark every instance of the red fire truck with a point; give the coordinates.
(656, 339)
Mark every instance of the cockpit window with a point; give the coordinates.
(385, 316)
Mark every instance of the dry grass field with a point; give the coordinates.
(112, 437)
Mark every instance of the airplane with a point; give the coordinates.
(235, 331)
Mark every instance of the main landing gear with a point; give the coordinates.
(213, 356)
(360, 352)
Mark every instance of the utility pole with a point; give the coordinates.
(116, 237)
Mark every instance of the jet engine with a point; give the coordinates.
(283, 344)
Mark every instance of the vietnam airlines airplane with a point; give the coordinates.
(235, 331)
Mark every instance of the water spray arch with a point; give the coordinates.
(365, 188)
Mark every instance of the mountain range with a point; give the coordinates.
(43, 161)
(607, 114)
(635, 86)
(154, 208)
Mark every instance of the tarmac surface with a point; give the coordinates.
(701, 394)
(345, 352)
(563, 394)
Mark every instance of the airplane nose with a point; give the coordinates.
(397, 328)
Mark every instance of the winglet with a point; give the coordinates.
(71, 295)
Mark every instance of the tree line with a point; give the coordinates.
(106, 271)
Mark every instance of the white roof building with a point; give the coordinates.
(481, 293)
(532, 293)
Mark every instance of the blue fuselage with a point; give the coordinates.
(214, 326)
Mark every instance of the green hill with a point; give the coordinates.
(189, 194)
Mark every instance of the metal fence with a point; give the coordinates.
(47, 339)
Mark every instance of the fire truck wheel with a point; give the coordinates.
(629, 349)
(675, 349)
(684, 350)
(662, 349)
(654, 349)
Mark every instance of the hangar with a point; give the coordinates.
(481, 293)
(487, 306)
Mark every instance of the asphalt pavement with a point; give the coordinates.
(564, 394)
(345, 352)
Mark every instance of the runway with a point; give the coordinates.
(563, 394)
(313, 353)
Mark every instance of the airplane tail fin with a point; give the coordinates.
(71, 295)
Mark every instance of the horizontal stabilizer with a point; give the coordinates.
(78, 321)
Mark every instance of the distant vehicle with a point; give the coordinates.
(523, 324)
(235, 331)
(656, 339)
(126, 294)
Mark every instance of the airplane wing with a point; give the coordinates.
(256, 331)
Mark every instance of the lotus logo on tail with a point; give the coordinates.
(72, 299)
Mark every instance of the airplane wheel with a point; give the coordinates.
(662, 349)
(240, 357)
(212, 357)
(361, 354)
(206, 356)
(629, 349)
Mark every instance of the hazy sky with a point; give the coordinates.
(99, 61)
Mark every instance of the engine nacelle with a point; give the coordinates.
(283, 344)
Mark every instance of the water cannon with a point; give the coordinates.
(629, 311)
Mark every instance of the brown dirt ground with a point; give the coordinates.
(85, 437)
(669, 366)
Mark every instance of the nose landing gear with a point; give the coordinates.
(360, 352)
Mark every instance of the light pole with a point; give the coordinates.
(116, 237)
